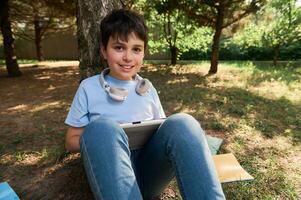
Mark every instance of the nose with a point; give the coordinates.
(127, 56)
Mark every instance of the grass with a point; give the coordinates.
(254, 107)
(21, 61)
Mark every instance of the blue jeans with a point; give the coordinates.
(179, 148)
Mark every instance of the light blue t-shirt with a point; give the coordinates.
(91, 101)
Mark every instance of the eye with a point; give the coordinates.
(118, 48)
(137, 49)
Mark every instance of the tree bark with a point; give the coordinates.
(174, 55)
(89, 15)
(276, 54)
(8, 41)
(216, 39)
(38, 39)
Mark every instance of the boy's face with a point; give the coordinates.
(124, 58)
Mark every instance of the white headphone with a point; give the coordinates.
(120, 94)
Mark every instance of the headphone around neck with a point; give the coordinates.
(120, 94)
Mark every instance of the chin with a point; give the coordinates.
(125, 78)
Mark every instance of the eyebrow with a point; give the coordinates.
(138, 45)
(123, 43)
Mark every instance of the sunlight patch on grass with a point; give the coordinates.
(19, 108)
(52, 155)
(31, 158)
(7, 159)
(256, 80)
(43, 77)
(280, 89)
(21, 158)
(47, 105)
(51, 88)
(46, 155)
(177, 81)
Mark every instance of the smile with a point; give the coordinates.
(126, 66)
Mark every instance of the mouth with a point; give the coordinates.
(126, 67)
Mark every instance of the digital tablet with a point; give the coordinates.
(140, 132)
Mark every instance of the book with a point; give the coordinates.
(7, 193)
(229, 169)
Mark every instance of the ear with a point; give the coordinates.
(103, 52)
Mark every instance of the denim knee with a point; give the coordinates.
(104, 132)
(183, 125)
(182, 118)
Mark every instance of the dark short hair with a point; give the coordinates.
(121, 23)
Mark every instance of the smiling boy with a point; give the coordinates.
(125, 58)
(119, 95)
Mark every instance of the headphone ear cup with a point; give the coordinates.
(118, 94)
(143, 87)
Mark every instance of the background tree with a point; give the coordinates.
(217, 14)
(8, 41)
(89, 15)
(170, 30)
(172, 25)
(33, 19)
(285, 28)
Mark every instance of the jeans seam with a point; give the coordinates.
(90, 166)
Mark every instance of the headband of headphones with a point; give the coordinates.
(120, 94)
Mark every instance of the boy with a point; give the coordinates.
(120, 95)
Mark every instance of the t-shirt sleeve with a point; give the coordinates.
(78, 113)
(159, 113)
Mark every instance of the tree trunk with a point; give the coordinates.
(38, 39)
(276, 54)
(216, 39)
(8, 41)
(89, 15)
(174, 55)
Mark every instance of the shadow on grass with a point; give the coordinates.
(63, 180)
(32, 134)
(270, 117)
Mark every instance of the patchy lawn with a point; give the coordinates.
(256, 109)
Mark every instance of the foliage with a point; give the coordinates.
(259, 37)
(171, 30)
(285, 28)
(51, 16)
(33, 19)
(275, 30)
(250, 36)
(218, 14)
(188, 37)
(232, 51)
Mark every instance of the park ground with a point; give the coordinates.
(254, 107)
